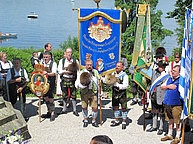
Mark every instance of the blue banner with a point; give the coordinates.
(100, 38)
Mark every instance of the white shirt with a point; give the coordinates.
(54, 66)
(66, 64)
(17, 74)
(125, 81)
(169, 68)
(93, 79)
(6, 65)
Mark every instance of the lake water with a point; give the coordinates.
(55, 23)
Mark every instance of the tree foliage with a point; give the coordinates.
(179, 14)
(158, 33)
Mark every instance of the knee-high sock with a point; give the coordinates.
(48, 105)
(52, 107)
(64, 105)
(74, 104)
(154, 120)
(162, 118)
(124, 115)
(94, 115)
(85, 114)
(116, 113)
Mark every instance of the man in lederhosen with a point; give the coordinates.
(119, 95)
(51, 70)
(67, 70)
(88, 91)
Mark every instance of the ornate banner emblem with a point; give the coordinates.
(100, 64)
(99, 31)
(38, 84)
(100, 38)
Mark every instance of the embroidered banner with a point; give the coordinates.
(100, 38)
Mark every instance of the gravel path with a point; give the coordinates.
(67, 128)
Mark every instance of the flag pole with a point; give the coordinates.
(39, 109)
(144, 111)
(184, 122)
(100, 101)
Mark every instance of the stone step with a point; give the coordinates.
(2, 102)
(6, 115)
(17, 124)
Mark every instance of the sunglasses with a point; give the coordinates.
(177, 57)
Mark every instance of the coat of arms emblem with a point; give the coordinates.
(38, 84)
(99, 31)
(100, 64)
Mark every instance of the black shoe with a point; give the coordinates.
(140, 103)
(151, 129)
(160, 132)
(149, 116)
(123, 126)
(85, 124)
(133, 103)
(115, 124)
(48, 115)
(75, 113)
(52, 118)
(94, 124)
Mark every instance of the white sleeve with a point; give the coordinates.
(60, 65)
(26, 76)
(77, 82)
(8, 75)
(54, 68)
(125, 83)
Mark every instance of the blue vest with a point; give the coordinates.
(172, 97)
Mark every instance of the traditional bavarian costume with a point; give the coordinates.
(13, 74)
(51, 67)
(4, 67)
(157, 97)
(89, 95)
(67, 84)
(119, 96)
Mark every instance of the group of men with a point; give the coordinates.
(165, 97)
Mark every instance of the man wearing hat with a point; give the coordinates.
(157, 97)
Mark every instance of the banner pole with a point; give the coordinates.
(39, 109)
(21, 101)
(100, 101)
(143, 111)
(184, 122)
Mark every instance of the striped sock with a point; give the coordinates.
(85, 113)
(124, 115)
(94, 114)
(116, 113)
